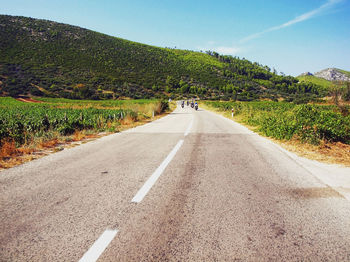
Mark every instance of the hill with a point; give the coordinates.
(45, 58)
(325, 77)
(334, 74)
(346, 73)
(315, 80)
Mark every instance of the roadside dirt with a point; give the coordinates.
(330, 153)
(28, 100)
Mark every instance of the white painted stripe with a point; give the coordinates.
(189, 128)
(153, 178)
(99, 246)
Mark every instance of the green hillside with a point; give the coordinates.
(44, 58)
(316, 80)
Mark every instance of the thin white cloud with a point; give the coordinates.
(298, 19)
(223, 50)
(227, 50)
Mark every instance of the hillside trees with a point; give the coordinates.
(56, 58)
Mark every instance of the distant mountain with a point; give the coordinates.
(45, 58)
(334, 74)
(325, 77)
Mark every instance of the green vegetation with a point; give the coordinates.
(309, 123)
(316, 80)
(44, 58)
(22, 122)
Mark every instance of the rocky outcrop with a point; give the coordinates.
(306, 74)
(332, 74)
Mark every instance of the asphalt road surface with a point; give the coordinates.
(192, 186)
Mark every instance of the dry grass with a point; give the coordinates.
(28, 100)
(11, 156)
(49, 143)
(25, 150)
(78, 135)
(8, 149)
(127, 120)
(143, 109)
(331, 153)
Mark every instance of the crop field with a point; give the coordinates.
(284, 121)
(23, 122)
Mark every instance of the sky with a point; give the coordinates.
(292, 36)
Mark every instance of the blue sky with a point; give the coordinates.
(292, 36)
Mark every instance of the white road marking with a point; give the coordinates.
(189, 128)
(153, 178)
(99, 246)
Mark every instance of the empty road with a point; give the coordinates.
(191, 186)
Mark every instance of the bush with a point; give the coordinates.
(164, 105)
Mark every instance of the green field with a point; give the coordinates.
(23, 122)
(284, 121)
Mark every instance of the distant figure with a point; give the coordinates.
(232, 112)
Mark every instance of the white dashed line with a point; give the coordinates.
(99, 246)
(189, 128)
(153, 178)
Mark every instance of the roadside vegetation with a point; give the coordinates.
(26, 126)
(320, 132)
(284, 121)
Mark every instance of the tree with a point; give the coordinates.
(170, 82)
(336, 91)
(184, 86)
(346, 93)
(154, 88)
(235, 93)
(82, 91)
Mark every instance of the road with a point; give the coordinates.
(192, 186)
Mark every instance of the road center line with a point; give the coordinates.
(189, 128)
(153, 178)
(99, 246)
